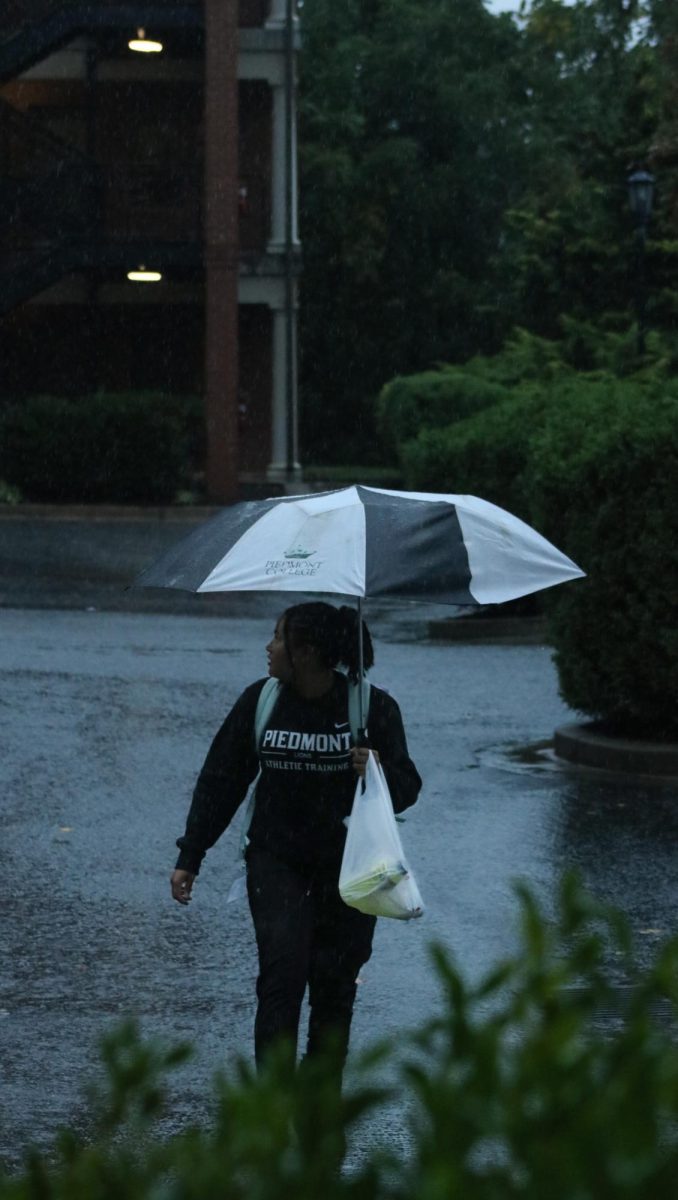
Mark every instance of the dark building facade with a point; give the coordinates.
(116, 161)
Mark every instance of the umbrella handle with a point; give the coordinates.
(362, 739)
(361, 669)
(362, 735)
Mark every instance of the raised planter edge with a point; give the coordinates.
(584, 746)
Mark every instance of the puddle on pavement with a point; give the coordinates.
(540, 758)
(536, 757)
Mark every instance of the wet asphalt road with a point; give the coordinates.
(106, 718)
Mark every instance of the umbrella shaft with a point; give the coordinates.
(361, 721)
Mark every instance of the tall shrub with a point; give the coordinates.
(431, 400)
(604, 486)
(485, 455)
(590, 460)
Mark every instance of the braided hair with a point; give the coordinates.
(332, 632)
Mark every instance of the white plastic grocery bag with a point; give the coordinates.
(374, 876)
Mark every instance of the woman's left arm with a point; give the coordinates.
(387, 737)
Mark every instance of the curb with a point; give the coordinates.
(584, 746)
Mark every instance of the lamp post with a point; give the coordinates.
(641, 192)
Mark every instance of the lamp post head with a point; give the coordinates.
(641, 192)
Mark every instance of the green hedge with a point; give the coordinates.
(520, 1088)
(122, 447)
(590, 460)
(484, 455)
(432, 399)
(604, 481)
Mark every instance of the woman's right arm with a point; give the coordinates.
(222, 784)
(387, 736)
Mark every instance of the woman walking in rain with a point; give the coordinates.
(306, 935)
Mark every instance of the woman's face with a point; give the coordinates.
(279, 665)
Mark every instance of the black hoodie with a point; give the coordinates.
(307, 780)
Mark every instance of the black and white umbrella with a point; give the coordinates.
(362, 541)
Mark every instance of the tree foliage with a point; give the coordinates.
(464, 173)
(409, 155)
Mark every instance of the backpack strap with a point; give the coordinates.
(266, 702)
(268, 698)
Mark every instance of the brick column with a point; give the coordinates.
(221, 248)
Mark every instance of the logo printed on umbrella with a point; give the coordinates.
(294, 562)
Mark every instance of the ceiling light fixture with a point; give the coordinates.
(142, 275)
(143, 44)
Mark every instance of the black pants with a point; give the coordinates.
(306, 935)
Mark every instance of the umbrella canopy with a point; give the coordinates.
(362, 541)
